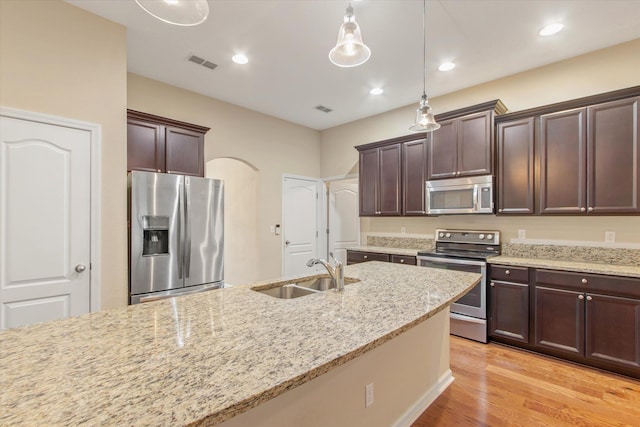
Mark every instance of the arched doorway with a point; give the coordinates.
(240, 217)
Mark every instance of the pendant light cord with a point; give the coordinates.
(424, 50)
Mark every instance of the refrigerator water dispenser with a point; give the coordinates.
(155, 234)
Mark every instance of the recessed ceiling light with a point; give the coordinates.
(376, 91)
(551, 29)
(239, 59)
(447, 66)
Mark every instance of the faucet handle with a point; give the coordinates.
(334, 259)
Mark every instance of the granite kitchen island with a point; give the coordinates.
(232, 355)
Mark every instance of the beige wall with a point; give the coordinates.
(271, 145)
(60, 60)
(601, 71)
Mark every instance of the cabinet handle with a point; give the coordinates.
(582, 209)
(507, 272)
(401, 261)
(366, 256)
(377, 212)
(590, 209)
(580, 296)
(492, 284)
(584, 281)
(499, 210)
(157, 170)
(589, 298)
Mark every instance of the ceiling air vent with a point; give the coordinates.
(201, 61)
(323, 108)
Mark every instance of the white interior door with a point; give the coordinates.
(344, 219)
(299, 223)
(45, 221)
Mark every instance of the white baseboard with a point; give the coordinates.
(425, 400)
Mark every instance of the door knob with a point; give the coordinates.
(286, 242)
(80, 268)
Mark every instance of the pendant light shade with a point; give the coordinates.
(350, 50)
(177, 12)
(425, 122)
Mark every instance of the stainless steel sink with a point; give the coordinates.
(302, 288)
(288, 291)
(322, 283)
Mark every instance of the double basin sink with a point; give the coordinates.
(302, 287)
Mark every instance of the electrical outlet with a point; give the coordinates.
(522, 234)
(403, 230)
(368, 395)
(272, 228)
(610, 236)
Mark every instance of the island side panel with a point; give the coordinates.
(408, 372)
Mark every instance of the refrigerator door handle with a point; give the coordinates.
(187, 226)
(180, 232)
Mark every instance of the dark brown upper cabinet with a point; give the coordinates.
(380, 181)
(414, 175)
(585, 158)
(516, 162)
(392, 176)
(159, 144)
(464, 144)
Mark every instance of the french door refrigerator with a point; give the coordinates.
(176, 235)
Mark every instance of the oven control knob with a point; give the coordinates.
(481, 237)
(489, 236)
(447, 235)
(441, 234)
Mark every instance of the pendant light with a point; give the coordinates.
(425, 122)
(177, 12)
(350, 50)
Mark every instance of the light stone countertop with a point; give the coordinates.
(204, 358)
(386, 250)
(581, 267)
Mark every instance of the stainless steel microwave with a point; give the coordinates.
(473, 195)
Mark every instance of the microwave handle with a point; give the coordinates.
(476, 198)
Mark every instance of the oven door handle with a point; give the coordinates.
(451, 261)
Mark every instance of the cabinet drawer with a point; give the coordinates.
(354, 257)
(510, 273)
(611, 285)
(404, 259)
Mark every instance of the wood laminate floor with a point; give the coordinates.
(497, 386)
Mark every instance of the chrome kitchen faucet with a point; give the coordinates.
(337, 273)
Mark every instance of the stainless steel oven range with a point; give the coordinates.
(465, 250)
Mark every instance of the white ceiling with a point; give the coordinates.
(287, 42)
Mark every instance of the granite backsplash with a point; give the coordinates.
(401, 242)
(600, 255)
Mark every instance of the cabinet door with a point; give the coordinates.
(414, 175)
(443, 151)
(475, 151)
(516, 167)
(613, 153)
(613, 330)
(368, 177)
(390, 180)
(509, 311)
(559, 320)
(145, 146)
(184, 151)
(563, 162)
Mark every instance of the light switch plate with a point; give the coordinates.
(610, 236)
(522, 234)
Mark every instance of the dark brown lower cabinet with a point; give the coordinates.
(355, 257)
(559, 320)
(509, 310)
(404, 259)
(613, 330)
(589, 318)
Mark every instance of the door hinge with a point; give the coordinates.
(316, 233)
(327, 231)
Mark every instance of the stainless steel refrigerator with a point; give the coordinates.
(176, 235)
